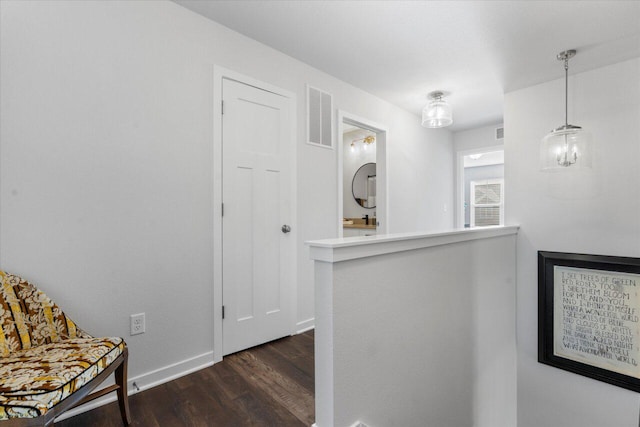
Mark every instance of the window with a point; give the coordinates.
(487, 202)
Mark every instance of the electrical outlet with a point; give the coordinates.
(137, 324)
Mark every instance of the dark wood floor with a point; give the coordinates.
(269, 385)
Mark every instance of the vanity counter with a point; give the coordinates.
(359, 223)
(360, 226)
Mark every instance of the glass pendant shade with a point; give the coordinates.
(437, 113)
(566, 146)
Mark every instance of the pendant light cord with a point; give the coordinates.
(566, 92)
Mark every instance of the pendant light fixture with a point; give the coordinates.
(567, 145)
(437, 113)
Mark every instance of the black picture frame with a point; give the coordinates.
(588, 316)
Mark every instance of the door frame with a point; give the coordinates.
(382, 185)
(219, 74)
(459, 184)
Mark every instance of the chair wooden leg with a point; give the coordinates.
(121, 381)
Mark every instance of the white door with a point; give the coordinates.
(257, 285)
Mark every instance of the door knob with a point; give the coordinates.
(286, 228)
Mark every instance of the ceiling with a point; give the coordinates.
(474, 50)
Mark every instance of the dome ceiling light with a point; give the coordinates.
(437, 113)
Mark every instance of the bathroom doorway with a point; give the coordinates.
(362, 195)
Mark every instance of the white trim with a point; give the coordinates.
(171, 372)
(356, 424)
(305, 325)
(146, 381)
(459, 218)
(336, 250)
(382, 161)
(220, 73)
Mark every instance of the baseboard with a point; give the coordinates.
(305, 325)
(146, 381)
(356, 424)
(170, 372)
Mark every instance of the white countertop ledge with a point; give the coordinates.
(336, 250)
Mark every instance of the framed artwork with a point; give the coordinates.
(588, 316)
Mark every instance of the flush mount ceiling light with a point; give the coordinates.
(567, 145)
(437, 113)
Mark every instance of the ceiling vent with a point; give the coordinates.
(499, 133)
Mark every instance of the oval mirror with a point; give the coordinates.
(363, 186)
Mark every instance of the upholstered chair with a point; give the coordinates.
(47, 363)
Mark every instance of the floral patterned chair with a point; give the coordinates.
(47, 364)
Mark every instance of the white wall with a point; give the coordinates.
(420, 187)
(477, 138)
(593, 213)
(422, 334)
(106, 164)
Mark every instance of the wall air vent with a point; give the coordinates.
(499, 133)
(319, 118)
